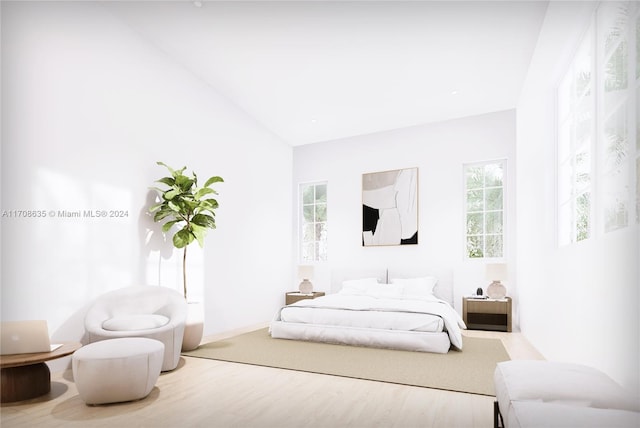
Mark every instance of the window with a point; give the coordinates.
(614, 102)
(598, 163)
(576, 127)
(313, 222)
(484, 209)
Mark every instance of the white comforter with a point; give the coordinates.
(425, 313)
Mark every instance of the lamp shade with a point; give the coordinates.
(305, 271)
(496, 271)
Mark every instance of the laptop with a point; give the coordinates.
(25, 337)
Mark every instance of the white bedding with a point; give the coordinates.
(416, 317)
(371, 319)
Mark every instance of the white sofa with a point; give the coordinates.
(153, 312)
(550, 394)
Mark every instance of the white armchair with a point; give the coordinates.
(140, 311)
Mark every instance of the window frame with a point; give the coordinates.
(614, 184)
(503, 162)
(576, 190)
(302, 223)
(612, 105)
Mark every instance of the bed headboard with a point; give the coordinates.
(443, 289)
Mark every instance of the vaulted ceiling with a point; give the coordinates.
(314, 71)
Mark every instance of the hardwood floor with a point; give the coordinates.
(208, 393)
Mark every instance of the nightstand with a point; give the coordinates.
(487, 314)
(294, 296)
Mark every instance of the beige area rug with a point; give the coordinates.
(470, 370)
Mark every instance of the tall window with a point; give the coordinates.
(615, 102)
(576, 127)
(484, 209)
(313, 222)
(598, 163)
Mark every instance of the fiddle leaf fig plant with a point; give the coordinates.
(185, 205)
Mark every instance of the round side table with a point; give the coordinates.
(25, 376)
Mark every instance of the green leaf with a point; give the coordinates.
(190, 205)
(204, 221)
(212, 180)
(168, 225)
(171, 194)
(200, 233)
(184, 182)
(155, 207)
(162, 214)
(204, 191)
(167, 180)
(174, 207)
(209, 204)
(206, 211)
(183, 237)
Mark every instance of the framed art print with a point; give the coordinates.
(390, 207)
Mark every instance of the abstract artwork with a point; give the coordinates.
(390, 207)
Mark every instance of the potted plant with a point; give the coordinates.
(191, 209)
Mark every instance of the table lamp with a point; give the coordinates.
(305, 272)
(496, 272)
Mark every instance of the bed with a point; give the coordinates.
(384, 308)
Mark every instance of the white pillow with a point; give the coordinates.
(135, 322)
(385, 291)
(356, 287)
(416, 287)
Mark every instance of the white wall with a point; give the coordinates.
(439, 150)
(578, 303)
(88, 108)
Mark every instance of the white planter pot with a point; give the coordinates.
(193, 327)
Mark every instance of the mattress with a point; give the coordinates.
(420, 324)
(376, 338)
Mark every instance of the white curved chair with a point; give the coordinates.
(140, 311)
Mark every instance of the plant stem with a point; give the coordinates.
(184, 271)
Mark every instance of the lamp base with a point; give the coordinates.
(496, 290)
(306, 287)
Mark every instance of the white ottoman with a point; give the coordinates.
(555, 394)
(115, 370)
